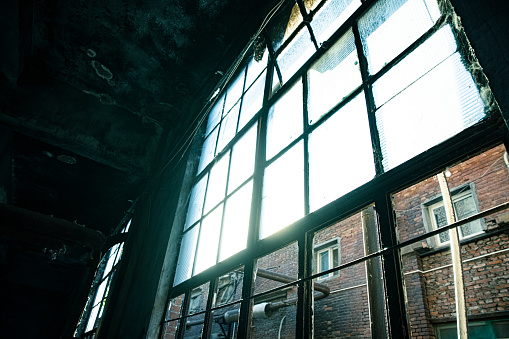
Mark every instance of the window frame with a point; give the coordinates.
(329, 246)
(427, 207)
(486, 133)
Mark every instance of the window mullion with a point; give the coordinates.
(370, 102)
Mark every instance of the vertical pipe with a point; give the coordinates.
(374, 275)
(459, 290)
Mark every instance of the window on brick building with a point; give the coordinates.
(490, 329)
(465, 205)
(327, 256)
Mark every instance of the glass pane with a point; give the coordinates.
(275, 315)
(343, 139)
(330, 17)
(217, 183)
(423, 59)
(206, 252)
(439, 105)
(228, 128)
(285, 122)
(300, 49)
(283, 192)
(225, 322)
(198, 299)
(252, 102)
(391, 26)
(324, 261)
(335, 75)
(186, 256)
(243, 159)
(196, 202)
(111, 259)
(92, 319)
(236, 222)
(194, 327)
(277, 269)
(229, 288)
(234, 92)
(208, 150)
(215, 114)
(254, 68)
(345, 312)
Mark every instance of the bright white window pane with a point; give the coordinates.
(254, 68)
(217, 183)
(330, 17)
(333, 77)
(436, 107)
(92, 319)
(285, 120)
(283, 191)
(243, 159)
(236, 222)
(228, 128)
(186, 256)
(215, 115)
(100, 292)
(208, 150)
(119, 254)
(206, 252)
(295, 54)
(340, 154)
(391, 26)
(253, 100)
(433, 51)
(196, 202)
(234, 92)
(111, 259)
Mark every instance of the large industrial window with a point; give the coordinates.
(331, 107)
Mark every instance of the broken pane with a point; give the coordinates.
(343, 139)
(283, 191)
(283, 24)
(391, 26)
(335, 75)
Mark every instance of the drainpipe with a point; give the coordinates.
(376, 296)
(459, 290)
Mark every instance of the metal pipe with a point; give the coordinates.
(459, 290)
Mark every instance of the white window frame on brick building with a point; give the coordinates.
(332, 249)
(458, 194)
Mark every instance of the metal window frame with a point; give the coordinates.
(487, 133)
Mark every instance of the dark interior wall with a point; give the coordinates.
(487, 27)
(133, 296)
